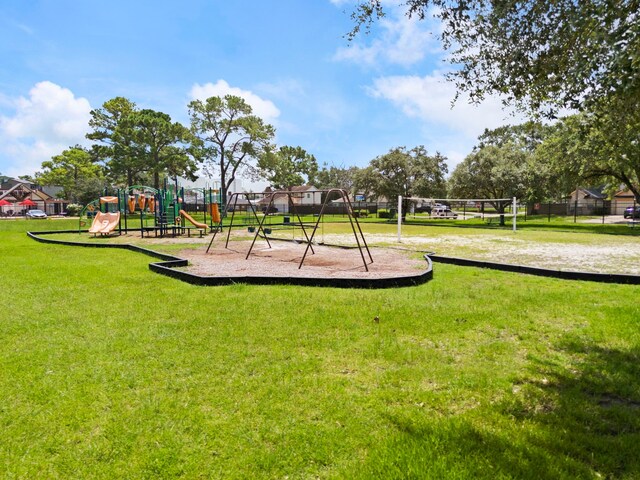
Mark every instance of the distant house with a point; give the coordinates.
(621, 200)
(588, 201)
(303, 195)
(16, 191)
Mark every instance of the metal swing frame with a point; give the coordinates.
(344, 196)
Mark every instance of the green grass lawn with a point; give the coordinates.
(108, 370)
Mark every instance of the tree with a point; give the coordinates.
(542, 54)
(365, 182)
(287, 167)
(540, 179)
(336, 177)
(526, 136)
(230, 135)
(491, 172)
(161, 145)
(404, 172)
(428, 173)
(76, 172)
(545, 56)
(115, 142)
(597, 148)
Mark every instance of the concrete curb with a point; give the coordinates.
(542, 272)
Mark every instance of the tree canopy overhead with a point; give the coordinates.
(597, 148)
(542, 54)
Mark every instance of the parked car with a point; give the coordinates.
(632, 212)
(36, 214)
(423, 208)
(443, 211)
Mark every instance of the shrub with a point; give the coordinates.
(73, 209)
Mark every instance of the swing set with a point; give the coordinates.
(290, 196)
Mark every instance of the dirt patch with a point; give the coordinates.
(619, 256)
(283, 259)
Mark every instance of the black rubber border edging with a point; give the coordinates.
(542, 272)
(167, 267)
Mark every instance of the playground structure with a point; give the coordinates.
(161, 212)
(105, 222)
(290, 200)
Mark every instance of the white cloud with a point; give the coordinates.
(50, 120)
(403, 41)
(429, 99)
(452, 131)
(264, 109)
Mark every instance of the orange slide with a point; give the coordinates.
(104, 222)
(215, 213)
(194, 222)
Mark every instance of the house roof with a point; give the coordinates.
(594, 192)
(12, 186)
(624, 194)
(303, 188)
(591, 192)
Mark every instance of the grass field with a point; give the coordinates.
(110, 371)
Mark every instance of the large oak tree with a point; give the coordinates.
(539, 53)
(286, 167)
(403, 172)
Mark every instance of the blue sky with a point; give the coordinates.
(344, 103)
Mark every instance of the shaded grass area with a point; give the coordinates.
(108, 370)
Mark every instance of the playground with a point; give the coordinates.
(148, 213)
(256, 244)
(151, 211)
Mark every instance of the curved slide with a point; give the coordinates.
(194, 222)
(105, 222)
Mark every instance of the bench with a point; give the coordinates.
(172, 230)
(202, 231)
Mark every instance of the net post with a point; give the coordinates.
(399, 218)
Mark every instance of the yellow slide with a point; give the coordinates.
(104, 222)
(194, 222)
